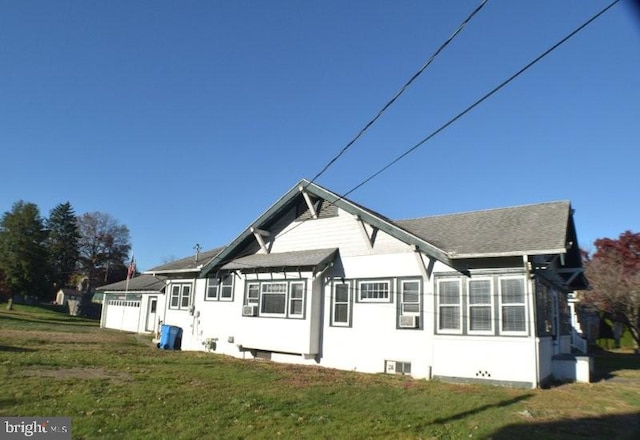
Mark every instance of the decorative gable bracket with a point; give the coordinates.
(259, 234)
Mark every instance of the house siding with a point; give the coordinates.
(372, 336)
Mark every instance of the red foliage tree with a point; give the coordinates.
(613, 272)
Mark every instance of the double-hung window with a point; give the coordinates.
(180, 296)
(341, 310)
(220, 288)
(409, 304)
(296, 300)
(374, 291)
(253, 294)
(480, 310)
(449, 306)
(512, 305)
(410, 297)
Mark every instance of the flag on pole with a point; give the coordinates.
(131, 271)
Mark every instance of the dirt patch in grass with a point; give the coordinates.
(77, 373)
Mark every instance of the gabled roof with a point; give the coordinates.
(142, 283)
(289, 200)
(520, 230)
(186, 265)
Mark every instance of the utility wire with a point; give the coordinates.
(458, 116)
(479, 101)
(400, 92)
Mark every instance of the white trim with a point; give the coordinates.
(348, 302)
(375, 300)
(181, 285)
(490, 305)
(291, 299)
(456, 256)
(284, 293)
(449, 331)
(522, 304)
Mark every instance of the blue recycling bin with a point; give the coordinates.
(170, 337)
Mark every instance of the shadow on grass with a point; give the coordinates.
(12, 349)
(619, 426)
(464, 414)
(62, 320)
(607, 363)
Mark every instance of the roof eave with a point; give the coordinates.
(455, 256)
(175, 271)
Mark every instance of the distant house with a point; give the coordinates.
(133, 305)
(318, 279)
(64, 295)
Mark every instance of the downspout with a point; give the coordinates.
(532, 318)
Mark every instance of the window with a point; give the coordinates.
(277, 299)
(341, 310)
(512, 305)
(220, 288)
(480, 306)
(180, 296)
(296, 300)
(409, 303)
(175, 296)
(374, 291)
(226, 288)
(253, 294)
(449, 306)
(410, 297)
(273, 298)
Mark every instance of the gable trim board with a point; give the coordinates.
(306, 289)
(288, 200)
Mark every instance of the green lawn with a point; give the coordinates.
(117, 385)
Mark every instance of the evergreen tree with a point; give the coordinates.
(63, 244)
(23, 255)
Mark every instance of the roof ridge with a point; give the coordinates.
(504, 208)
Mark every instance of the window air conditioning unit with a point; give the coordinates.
(408, 321)
(250, 310)
(390, 367)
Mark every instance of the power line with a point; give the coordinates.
(479, 101)
(458, 116)
(400, 92)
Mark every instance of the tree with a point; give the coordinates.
(23, 255)
(62, 244)
(104, 246)
(613, 272)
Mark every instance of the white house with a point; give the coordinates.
(135, 305)
(318, 279)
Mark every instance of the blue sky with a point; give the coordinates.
(186, 120)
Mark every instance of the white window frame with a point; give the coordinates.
(523, 304)
(249, 300)
(408, 303)
(180, 295)
(374, 300)
(220, 285)
(452, 331)
(335, 302)
(175, 295)
(471, 306)
(263, 293)
(213, 284)
(293, 300)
